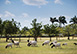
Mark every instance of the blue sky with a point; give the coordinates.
(24, 11)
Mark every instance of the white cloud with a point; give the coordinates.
(44, 21)
(58, 2)
(26, 23)
(7, 2)
(8, 14)
(25, 15)
(67, 19)
(35, 2)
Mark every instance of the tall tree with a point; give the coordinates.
(74, 24)
(15, 26)
(36, 28)
(49, 29)
(10, 27)
(1, 26)
(68, 30)
(62, 20)
(7, 28)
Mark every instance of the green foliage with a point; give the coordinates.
(73, 28)
(9, 27)
(68, 30)
(24, 30)
(12, 27)
(36, 28)
(0, 21)
(50, 29)
(1, 27)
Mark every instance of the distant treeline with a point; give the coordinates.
(12, 28)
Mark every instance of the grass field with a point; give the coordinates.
(24, 49)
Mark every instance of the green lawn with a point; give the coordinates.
(24, 49)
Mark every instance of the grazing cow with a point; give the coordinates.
(53, 42)
(28, 40)
(64, 44)
(56, 45)
(33, 43)
(45, 42)
(15, 42)
(75, 43)
(9, 45)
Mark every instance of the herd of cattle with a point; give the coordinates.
(34, 43)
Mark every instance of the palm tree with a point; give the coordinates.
(74, 24)
(53, 20)
(74, 20)
(36, 29)
(61, 20)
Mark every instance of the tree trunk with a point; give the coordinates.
(59, 37)
(29, 38)
(7, 38)
(56, 38)
(35, 38)
(59, 24)
(50, 38)
(73, 37)
(1, 35)
(40, 38)
(19, 38)
(68, 36)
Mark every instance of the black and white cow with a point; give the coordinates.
(75, 43)
(56, 45)
(64, 44)
(32, 43)
(45, 42)
(53, 42)
(15, 42)
(9, 45)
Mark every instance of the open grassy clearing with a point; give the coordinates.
(24, 49)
